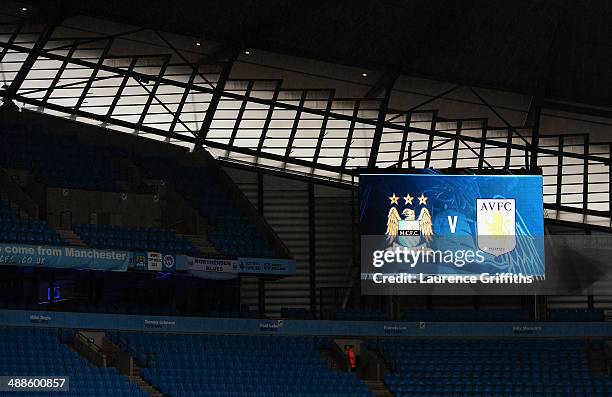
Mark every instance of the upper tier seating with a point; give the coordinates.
(38, 352)
(576, 315)
(239, 366)
(491, 367)
(233, 234)
(492, 315)
(15, 229)
(135, 239)
(60, 160)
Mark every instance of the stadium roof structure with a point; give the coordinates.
(194, 92)
(559, 48)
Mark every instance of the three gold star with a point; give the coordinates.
(408, 199)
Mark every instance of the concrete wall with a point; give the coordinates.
(125, 209)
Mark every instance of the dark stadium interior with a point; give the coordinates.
(223, 198)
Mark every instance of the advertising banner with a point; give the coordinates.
(21, 318)
(139, 261)
(158, 262)
(154, 261)
(261, 266)
(169, 263)
(216, 269)
(63, 257)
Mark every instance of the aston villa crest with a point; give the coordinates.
(407, 229)
(496, 222)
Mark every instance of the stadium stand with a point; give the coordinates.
(61, 160)
(490, 367)
(206, 365)
(38, 352)
(14, 228)
(126, 238)
(233, 233)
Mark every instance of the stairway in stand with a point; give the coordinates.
(142, 383)
(378, 388)
(201, 243)
(72, 238)
(597, 362)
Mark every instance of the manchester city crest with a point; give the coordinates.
(407, 229)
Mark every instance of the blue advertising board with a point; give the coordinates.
(300, 327)
(111, 260)
(63, 257)
(266, 266)
(158, 262)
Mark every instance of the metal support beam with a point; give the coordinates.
(349, 137)
(585, 181)
(214, 102)
(180, 55)
(402, 151)
(11, 40)
(481, 153)
(508, 149)
(94, 39)
(577, 109)
(471, 149)
(559, 171)
(456, 146)
(243, 106)
(430, 141)
(153, 91)
(264, 130)
(96, 69)
(322, 131)
(60, 71)
(117, 97)
(261, 284)
(499, 116)
(610, 186)
(535, 132)
(415, 107)
(179, 110)
(380, 123)
(26, 66)
(385, 82)
(166, 108)
(312, 269)
(296, 122)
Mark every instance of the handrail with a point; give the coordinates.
(176, 223)
(89, 341)
(91, 351)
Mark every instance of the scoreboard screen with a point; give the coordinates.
(440, 229)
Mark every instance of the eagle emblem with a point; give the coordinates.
(409, 231)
